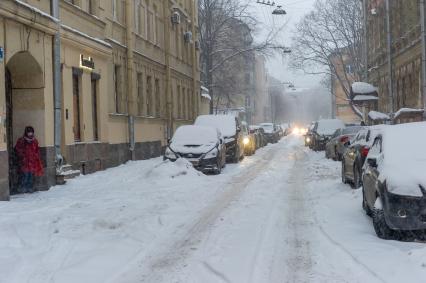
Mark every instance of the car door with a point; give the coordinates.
(371, 174)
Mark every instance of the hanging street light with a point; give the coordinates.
(279, 11)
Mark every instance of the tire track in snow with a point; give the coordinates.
(172, 257)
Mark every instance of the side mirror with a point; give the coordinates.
(372, 162)
(169, 140)
(348, 143)
(238, 129)
(221, 141)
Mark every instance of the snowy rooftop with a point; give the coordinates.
(375, 115)
(365, 97)
(363, 88)
(407, 111)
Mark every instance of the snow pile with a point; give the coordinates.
(167, 169)
(226, 124)
(194, 139)
(327, 127)
(206, 95)
(407, 111)
(375, 115)
(363, 88)
(404, 151)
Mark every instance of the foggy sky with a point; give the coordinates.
(277, 65)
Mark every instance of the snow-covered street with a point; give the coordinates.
(282, 215)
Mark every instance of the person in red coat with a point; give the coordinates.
(28, 152)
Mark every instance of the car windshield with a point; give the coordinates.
(267, 127)
(351, 130)
(195, 135)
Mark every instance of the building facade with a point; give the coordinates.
(342, 107)
(262, 103)
(405, 53)
(129, 76)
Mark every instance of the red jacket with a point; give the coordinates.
(28, 154)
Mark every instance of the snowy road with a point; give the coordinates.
(279, 216)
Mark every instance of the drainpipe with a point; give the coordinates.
(423, 25)
(130, 100)
(195, 86)
(365, 46)
(57, 86)
(169, 98)
(389, 55)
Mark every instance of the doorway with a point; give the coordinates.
(24, 87)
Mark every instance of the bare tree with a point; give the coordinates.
(221, 50)
(330, 38)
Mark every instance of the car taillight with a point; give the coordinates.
(364, 151)
(344, 139)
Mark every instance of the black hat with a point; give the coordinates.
(29, 129)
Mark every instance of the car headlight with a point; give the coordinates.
(211, 154)
(308, 139)
(170, 154)
(246, 141)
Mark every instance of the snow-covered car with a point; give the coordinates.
(271, 133)
(322, 132)
(354, 156)
(394, 180)
(336, 145)
(202, 146)
(230, 127)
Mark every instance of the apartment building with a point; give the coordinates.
(128, 74)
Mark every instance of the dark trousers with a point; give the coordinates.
(26, 183)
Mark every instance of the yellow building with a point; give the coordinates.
(118, 103)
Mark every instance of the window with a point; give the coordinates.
(139, 86)
(179, 103)
(183, 103)
(149, 100)
(157, 98)
(94, 85)
(114, 9)
(92, 7)
(76, 107)
(117, 88)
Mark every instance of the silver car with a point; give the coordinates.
(335, 148)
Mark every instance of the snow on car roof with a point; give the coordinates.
(363, 88)
(329, 126)
(404, 158)
(195, 135)
(225, 123)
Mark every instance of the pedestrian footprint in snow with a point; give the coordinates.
(28, 152)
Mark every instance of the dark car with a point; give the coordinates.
(258, 136)
(322, 132)
(354, 157)
(271, 133)
(230, 128)
(202, 146)
(336, 145)
(394, 180)
(309, 135)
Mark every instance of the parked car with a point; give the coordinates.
(336, 145)
(230, 127)
(271, 133)
(258, 136)
(354, 156)
(309, 135)
(394, 180)
(280, 131)
(322, 132)
(262, 133)
(202, 146)
(249, 140)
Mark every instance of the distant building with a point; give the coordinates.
(342, 107)
(261, 105)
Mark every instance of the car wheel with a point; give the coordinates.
(365, 206)
(357, 178)
(380, 226)
(344, 179)
(219, 168)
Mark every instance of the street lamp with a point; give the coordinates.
(279, 11)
